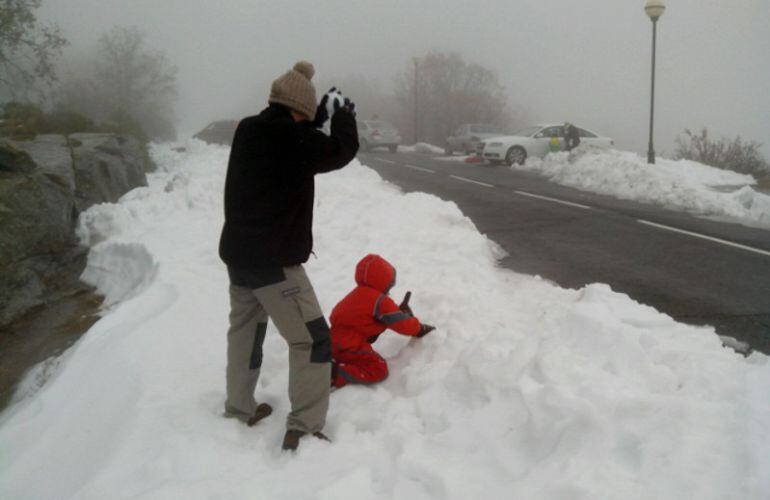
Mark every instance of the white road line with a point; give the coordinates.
(384, 160)
(703, 236)
(470, 180)
(419, 168)
(540, 197)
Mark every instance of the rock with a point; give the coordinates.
(52, 157)
(219, 132)
(44, 184)
(14, 160)
(106, 167)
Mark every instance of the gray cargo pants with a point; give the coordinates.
(287, 297)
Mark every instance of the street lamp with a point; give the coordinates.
(654, 9)
(416, 90)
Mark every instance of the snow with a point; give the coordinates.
(525, 390)
(421, 147)
(460, 158)
(682, 184)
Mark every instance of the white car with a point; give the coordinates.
(534, 141)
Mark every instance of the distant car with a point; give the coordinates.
(377, 134)
(219, 132)
(533, 141)
(467, 137)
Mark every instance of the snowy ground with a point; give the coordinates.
(526, 390)
(682, 185)
(421, 147)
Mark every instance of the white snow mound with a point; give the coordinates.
(422, 147)
(682, 184)
(525, 389)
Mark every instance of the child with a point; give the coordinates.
(361, 317)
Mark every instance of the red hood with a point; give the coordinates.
(375, 272)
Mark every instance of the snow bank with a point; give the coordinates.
(422, 147)
(682, 184)
(526, 389)
(460, 158)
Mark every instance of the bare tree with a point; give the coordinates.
(125, 84)
(734, 154)
(27, 49)
(440, 91)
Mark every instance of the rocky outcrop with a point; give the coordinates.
(44, 184)
(219, 132)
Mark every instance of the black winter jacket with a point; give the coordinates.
(269, 187)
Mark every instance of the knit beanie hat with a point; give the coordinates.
(295, 90)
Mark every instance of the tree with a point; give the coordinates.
(440, 91)
(735, 154)
(126, 85)
(27, 50)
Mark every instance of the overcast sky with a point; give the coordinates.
(586, 62)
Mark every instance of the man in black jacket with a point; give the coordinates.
(571, 136)
(266, 238)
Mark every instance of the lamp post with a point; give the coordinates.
(416, 94)
(654, 9)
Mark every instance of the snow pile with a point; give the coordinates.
(682, 184)
(422, 147)
(525, 390)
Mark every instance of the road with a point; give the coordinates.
(696, 270)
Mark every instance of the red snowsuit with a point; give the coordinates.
(360, 318)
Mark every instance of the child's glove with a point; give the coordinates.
(425, 329)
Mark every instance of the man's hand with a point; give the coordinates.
(322, 111)
(347, 105)
(404, 306)
(425, 329)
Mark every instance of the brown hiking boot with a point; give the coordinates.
(262, 411)
(292, 437)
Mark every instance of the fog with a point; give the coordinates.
(586, 62)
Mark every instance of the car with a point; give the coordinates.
(377, 134)
(219, 132)
(534, 141)
(467, 137)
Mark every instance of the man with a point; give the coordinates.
(266, 238)
(571, 136)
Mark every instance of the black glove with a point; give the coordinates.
(425, 329)
(404, 306)
(348, 106)
(321, 115)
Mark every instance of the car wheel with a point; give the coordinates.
(516, 155)
(393, 148)
(494, 162)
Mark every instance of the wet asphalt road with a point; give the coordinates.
(696, 270)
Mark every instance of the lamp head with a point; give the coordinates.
(655, 8)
